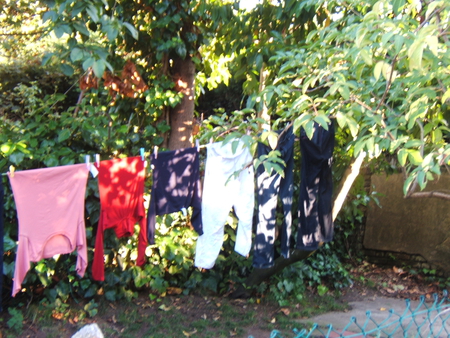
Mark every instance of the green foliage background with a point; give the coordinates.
(379, 68)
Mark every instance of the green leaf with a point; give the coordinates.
(66, 69)
(446, 96)
(402, 156)
(397, 6)
(99, 68)
(398, 43)
(431, 7)
(181, 50)
(81, 28)
(49, 15)
(61, 30)
(353, 126)
(343, 90)
(309, 129)
(377, 69)
(322, 120)
(92, 12)
(366, 56)
(132, 30)
(76, 54)
(111, 295)
(63, 135)
(88, 63)
(433, 42)
(415, 54)
(414, 157)
(413, 144)
(272, 137)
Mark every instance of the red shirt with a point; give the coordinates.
(121, 188)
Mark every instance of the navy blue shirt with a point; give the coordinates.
(176, 186)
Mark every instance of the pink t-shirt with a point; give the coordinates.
(50, 209)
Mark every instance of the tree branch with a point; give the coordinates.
(429, 194)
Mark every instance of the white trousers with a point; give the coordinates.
(226, 185)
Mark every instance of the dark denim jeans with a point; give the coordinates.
(271, 188)
(1, 242)
(316, 188)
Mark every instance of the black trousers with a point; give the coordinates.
(271, 188)
(316, 188)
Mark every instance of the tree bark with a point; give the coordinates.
(257, 276)
(182, 115)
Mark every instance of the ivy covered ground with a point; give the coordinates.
(208, 314)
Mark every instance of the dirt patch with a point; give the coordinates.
(371, 280)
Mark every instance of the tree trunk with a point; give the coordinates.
(182, 115)
(257, 276)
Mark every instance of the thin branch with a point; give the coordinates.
(429, 194)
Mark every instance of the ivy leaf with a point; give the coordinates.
(181, 50)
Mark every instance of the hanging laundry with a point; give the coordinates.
(222, 191)
(270, 188)
(176, 186)
(1, 242)
(121, 188)
(50, 210)
(316, 188)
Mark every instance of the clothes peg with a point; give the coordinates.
(88, 160)
(184, 211)
(97, 159)
(197, 144)
(155, 151)
(141, 150)
(11, 171)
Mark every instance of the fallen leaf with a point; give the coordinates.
(174, 291)
(285, 311)
(164, 308)
(233, 333)
(218, 304)
(273, 320)
(188, 334)
(216, 318)
(204, 316)
(383, 309)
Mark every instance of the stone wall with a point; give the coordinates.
(413, 231)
